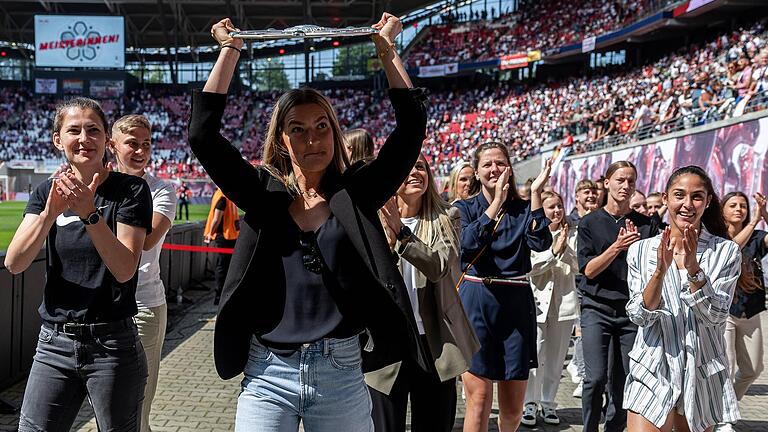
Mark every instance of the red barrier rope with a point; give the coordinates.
(188, 248)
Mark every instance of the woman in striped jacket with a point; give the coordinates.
(681, 285)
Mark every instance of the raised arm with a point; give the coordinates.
(374, 183)
(221, 160)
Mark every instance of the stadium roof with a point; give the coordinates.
(170, 23)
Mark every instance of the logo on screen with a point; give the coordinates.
(80, 31)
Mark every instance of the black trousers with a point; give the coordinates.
(183, 206)
(222, 262)
(607, 336)
(433, 403)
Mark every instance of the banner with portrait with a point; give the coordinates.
(734, 157)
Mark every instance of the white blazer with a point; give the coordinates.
(553, 280)
(678, 360)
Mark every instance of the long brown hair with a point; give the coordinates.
(361, 143)
(749, 280)
(277, 160)
(512, 192)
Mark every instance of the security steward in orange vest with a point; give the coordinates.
(223, 227)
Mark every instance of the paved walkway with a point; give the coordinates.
(191, 397)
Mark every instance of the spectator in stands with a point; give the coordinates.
(131, 144)
(495, 291)
(359, 145)
(422, 230)
(88, 344)
(222, 228)
(607, 333)
(743, 329)
(553, 282)
(324, 271)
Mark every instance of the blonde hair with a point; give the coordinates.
(453, 180)
(434, 222)
(130, 122)
(276, 158)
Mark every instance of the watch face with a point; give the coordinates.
(93, 218)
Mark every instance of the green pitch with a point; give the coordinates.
(11, 213)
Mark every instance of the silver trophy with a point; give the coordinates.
(303, 31)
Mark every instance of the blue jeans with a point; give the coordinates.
(110, 369)
(321, 384)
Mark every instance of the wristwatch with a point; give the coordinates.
(697, 277)
(92, 218)
(405, 233)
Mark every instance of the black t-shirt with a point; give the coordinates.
(79, 287)
(748, 305)
(598, 230)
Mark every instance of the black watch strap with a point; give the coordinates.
(92, 218)
(404, 233)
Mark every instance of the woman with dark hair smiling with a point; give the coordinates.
(312, 269)
(681, 285)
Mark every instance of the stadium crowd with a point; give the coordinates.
(536, 25)
(726, 76)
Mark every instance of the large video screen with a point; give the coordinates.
(79, 41)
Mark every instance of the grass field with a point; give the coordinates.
(11, 213)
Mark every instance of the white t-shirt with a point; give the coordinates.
(409, 276)
(150, 291)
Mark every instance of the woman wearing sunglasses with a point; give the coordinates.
(312, 269)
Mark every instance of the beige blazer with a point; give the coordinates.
(553, 280)
(451, 339)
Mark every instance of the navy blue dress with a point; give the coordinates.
(503, 316)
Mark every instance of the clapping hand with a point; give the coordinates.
(627, 235)
(391, 213)
(690, 244)
(760, 209)
(562, 241)
(78, 196)
(665, 252)
(542, 178)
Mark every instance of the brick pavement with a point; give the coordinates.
(191, 397)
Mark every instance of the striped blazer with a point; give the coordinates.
(678, 360)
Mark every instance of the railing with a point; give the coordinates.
(685, 120)
(21, 295)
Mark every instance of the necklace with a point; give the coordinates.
(614, 217)
(309, 194)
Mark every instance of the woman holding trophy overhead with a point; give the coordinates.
(312, 298)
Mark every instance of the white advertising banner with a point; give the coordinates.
(79, 41)
(588, 45)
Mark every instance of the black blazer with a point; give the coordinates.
(254, 292)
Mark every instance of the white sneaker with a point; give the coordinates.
(550, 416)
(724, 427)
(529, 415)
(573, 370)
(578, 390)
